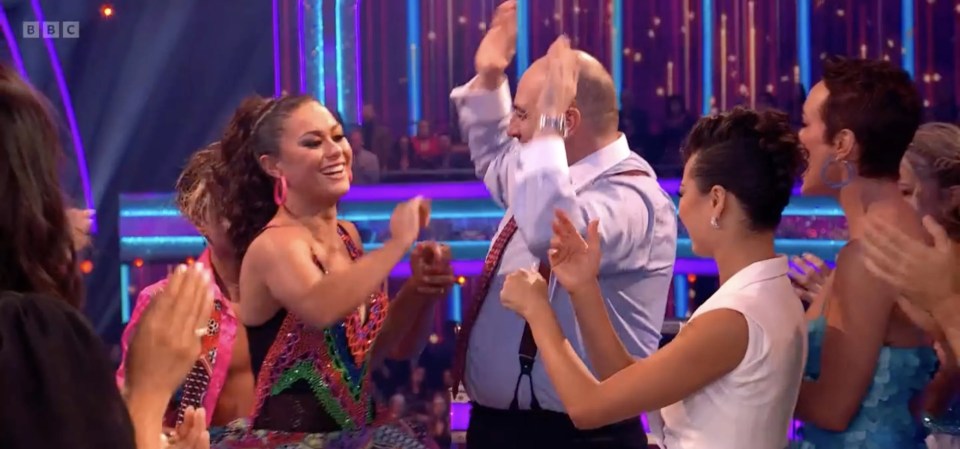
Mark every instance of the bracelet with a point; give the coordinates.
(557, 123)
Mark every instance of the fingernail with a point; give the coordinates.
(206, 277)
(181, 268)
(198, 266)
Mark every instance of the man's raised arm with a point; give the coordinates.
(484, 105)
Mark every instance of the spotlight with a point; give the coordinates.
(461, 280)
(434, 338)
(106, 11)
(138, 262)
(86, 266)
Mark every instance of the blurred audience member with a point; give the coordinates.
(377, 137)
(634, 124)
(401, 153)
(397, 406)
(428, 152)
(366, 164)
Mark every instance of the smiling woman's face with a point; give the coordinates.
(315, 156)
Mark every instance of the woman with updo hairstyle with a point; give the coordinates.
(730, 378)
(313, 303)
(930, 181)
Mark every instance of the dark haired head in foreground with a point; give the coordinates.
(36, 244)
(740, 169)
(55, 378)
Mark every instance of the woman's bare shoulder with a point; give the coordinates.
(900, 214)
(278, 242)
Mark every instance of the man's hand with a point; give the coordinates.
(498, 47)
(563, 70)
(432, 273)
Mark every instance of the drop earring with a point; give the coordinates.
(714, 223)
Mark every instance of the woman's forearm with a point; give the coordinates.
(571, 378)
(146, 412)
(347, 290)
(407, 326)
(606, 351)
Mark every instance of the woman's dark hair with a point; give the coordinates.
(935, 156)
(879, 103)
(753, 155)
(245, 189)
(36, 244)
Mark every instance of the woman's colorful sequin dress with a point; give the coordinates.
(314, 388)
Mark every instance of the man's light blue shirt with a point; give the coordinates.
(637, 225)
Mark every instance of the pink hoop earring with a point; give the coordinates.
(280, 190)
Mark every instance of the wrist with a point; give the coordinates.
(398, 246)
(584, 290)
(146, 407)
(490, 78)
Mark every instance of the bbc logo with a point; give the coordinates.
(66, 30)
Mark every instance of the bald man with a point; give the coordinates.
(557, 147)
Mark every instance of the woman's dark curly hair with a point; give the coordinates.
(36, 244)
(753, 155)
(245, 189)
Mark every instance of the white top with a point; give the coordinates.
(751, 406)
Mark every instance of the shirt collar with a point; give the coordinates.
(218, 294)
(592, 166)
(756, 272)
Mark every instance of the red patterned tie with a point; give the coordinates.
(490, 266)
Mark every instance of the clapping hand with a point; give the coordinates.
(408, 218)
(925, 275)
(575, 262)
(563, 71)
(432, 273)
(498, 46)
(80, 221)
(808, 274)
(192, 433)
(524, 292)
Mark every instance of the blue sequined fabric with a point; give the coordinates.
(884, 420)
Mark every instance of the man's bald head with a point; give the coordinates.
(596, 97)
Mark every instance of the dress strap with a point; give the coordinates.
(352, 247)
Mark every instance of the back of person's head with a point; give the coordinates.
(755, 156)
(193, 194)
(36, 247)
(56, 380)
(879, 103)
(934, 158)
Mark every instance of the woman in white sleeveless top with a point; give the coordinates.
(730, 378)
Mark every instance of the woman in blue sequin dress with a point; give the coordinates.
(867, 359)
(314, 305)
(929, 174)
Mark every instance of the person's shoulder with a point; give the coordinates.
(279, 241)
(37, 309)
(900, 214)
